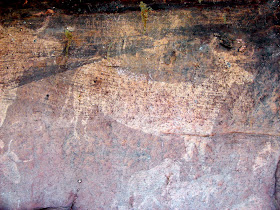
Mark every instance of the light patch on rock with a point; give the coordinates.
(250, 203)
(262, 157)
(151, 106)
(161, 187)
(7, 97)
(146, 184)
(196, 146)
(9, 167)
(2, 144)
(8, 163)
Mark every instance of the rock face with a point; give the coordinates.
(105, 116)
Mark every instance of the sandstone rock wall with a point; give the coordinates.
(184, 116)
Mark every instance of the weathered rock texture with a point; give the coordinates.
(185, 116)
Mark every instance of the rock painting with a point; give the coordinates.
(8, 162)
(152, 106)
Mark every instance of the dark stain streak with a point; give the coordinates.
(55, 208)
(119, 6)
(70, 205)
(168, 178)
(224, 40)
(36, 74)
(3, 207)
(131, 201)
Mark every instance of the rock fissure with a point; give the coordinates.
(221, 134)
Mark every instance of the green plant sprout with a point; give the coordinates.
(225, 18)
(109, 49)
(144, 14)
(69, 37)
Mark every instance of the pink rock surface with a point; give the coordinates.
(177, 118)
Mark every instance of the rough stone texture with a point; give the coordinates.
(185, 116)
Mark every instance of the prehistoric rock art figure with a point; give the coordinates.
(8, 162)
(152, 106)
